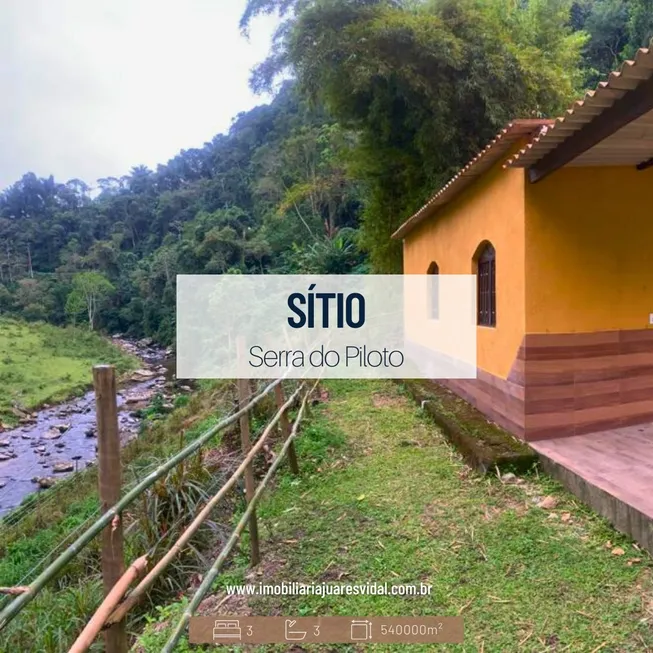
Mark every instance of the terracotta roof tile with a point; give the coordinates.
(583, 111)
(485, 159)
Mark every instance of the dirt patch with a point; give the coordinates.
(231, 440)
(644, 591)
(504, 505)
(386, 401)
(220, 458)
(333, 573)
(433, 520)
(268, 568)
(224, 604)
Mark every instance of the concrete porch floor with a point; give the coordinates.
(612, 471)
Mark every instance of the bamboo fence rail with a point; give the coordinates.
(10, 611)
(94, 626)
(213, 572)
(119, 613)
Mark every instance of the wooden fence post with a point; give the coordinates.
(285, 430)
(109, 477)
(244, 387)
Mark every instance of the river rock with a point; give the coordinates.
(5, 456)
(44, 481)
(2, 484)
(62, 427)
(90, 433)
(40, 449)
(52, 434)
(5, 443)
(61, 468)
(138, 399)
(59, 445)
(25, 436)
(141, 375)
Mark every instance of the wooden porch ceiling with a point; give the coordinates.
(630, 145)
(610, 126)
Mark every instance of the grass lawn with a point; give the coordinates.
(383, 497)
(42, 363)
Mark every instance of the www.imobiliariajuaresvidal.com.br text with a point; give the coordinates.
(328, 589)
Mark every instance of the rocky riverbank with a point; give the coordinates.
(59, 440)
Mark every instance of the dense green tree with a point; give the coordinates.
(424, 85)
(88, 292)
(616, 29)
(640, 26)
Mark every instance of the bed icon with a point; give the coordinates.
(226, 629)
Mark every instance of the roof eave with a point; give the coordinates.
(515, 130)
(625, 95)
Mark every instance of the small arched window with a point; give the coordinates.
(486, 270)
(432, 289)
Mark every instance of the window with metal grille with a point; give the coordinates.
(433, 301)
(487, 282)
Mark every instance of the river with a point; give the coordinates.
(62, 439)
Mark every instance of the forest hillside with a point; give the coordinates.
(386, 100)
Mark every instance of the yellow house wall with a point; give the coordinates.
(490, 209)
(589, 250)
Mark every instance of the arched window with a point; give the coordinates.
(433, 302)
(486, 271)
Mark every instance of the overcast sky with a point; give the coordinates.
(91, 88)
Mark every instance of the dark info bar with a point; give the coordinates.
(325, 630)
